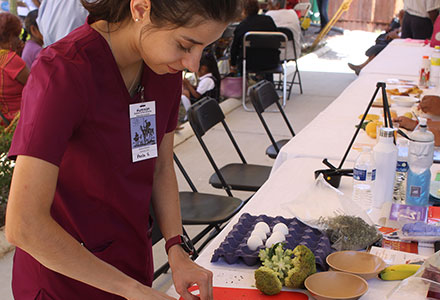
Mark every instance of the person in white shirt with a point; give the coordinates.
(286, 18)
(57, 18)
(209, 82)
(419, 18)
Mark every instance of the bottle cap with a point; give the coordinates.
(423, 122)
(437, 47)
(425, 57)
(386, 132)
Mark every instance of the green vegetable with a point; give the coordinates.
(304, 265)
(284, 267)
(267, 281)
(349, 232)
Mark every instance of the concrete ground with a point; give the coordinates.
(324, 74)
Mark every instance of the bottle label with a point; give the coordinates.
(415, 191)
(435, 61)
(402, 166)
(363, 175)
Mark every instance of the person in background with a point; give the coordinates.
(286, 18)
(391, 33)
(94, 153)
(291, 4)
(208, 85)
(56, 19)
(419, 18)
(13, 70)
(258, 58)
(323, 13)
(34, 45)
(430, 104)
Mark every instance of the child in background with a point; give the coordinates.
(13, 70)
(34, 45)
(209, 82)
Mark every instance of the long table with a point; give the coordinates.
(327, 136)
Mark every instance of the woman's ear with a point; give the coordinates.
(140, 10)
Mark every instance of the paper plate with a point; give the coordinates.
(404, 100)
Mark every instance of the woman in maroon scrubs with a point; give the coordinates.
(94, 147)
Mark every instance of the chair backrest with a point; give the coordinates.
(265, 40)
(205, 114)
(263, 94)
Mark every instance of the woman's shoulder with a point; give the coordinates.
(78, 49)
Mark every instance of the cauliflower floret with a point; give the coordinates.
(267, 281)
(304, 265)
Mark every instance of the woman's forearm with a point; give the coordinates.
(30, 227)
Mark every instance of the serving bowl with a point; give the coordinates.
(363, 264)
(336, 285)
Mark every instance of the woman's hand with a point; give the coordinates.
(186, 273)
(405, 122)
(431, 105)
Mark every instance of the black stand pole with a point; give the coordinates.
(388, 123)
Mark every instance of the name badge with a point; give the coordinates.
(143, 130)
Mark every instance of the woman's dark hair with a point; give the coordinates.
(208, 60)
(251, 7)
(31, 19)
(10, 26)
(165, 12)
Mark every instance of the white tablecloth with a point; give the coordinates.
(329, 134)
(286, 183)
(400, 57)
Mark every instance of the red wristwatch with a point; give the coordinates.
(181, 240)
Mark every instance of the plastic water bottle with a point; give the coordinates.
(399, 194)
(435, 67)
(420, 158)
(385, 155)
(364, 175)
(425, 72)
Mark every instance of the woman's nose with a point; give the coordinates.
(191, 61)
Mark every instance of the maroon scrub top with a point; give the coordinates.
(75, 114)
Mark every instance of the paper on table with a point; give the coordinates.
(321, 200)
(393, 257)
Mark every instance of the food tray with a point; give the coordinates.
(234, 247)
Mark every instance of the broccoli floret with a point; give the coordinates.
(304, 265)
(277, 259)
(267, 281)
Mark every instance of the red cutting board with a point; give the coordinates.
(224, 293)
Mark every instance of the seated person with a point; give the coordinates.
(34, 45)
(258, 59)
(430, 104)
(209, 82)
(289, 19)
(13, 70)
(392, 32)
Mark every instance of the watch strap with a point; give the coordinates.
(178, 240)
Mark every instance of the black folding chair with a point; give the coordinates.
(263, 95)
(205, 209)
(202, 116)
(264, 46)
(291, 38)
